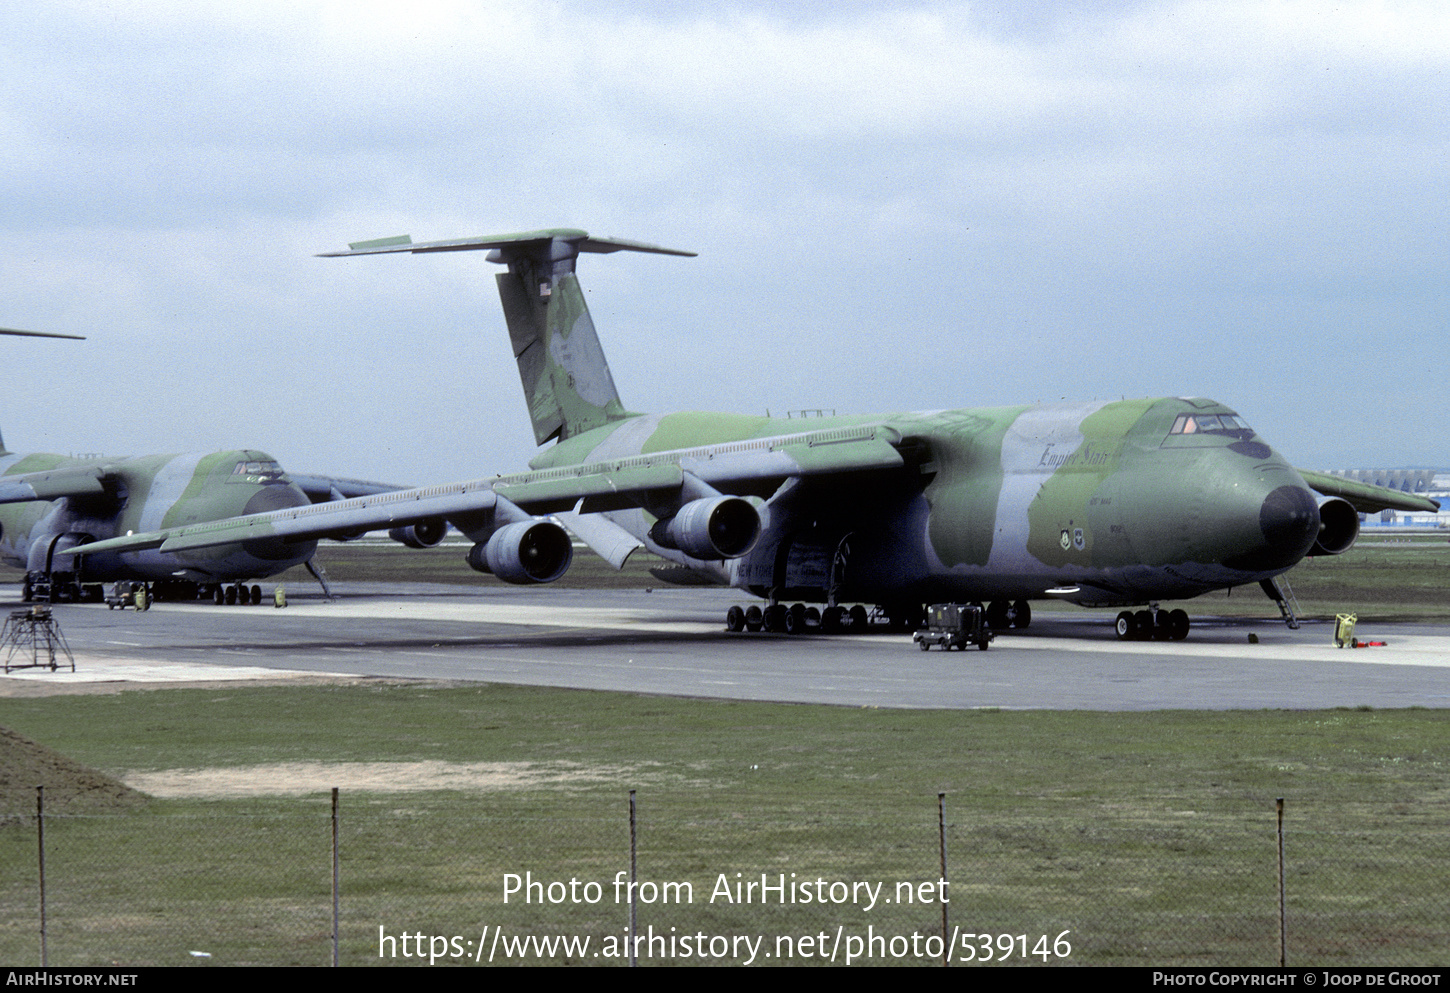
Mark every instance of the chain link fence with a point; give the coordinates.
(547, 878)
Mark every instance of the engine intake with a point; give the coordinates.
(424, 534)
(526, 552)
(1338, 526)
(722, 527)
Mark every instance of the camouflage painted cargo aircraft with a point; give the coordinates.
(1115, 505)
(50, 504)
(52, 507)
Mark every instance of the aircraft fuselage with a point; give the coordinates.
(1100, 504)
(148, 493)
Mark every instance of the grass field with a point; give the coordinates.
(1147, 837)
(1150, 837)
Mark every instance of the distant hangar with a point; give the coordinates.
(1432, 483)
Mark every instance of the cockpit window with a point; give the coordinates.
(258, 472)
(1200, 423)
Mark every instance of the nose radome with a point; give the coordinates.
(1289, 522)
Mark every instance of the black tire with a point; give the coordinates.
(1161, 629)
(774, 618)
(735, 619)
(795, 619)
(1125, 626)
(832, 619)
(997, 615)
(754, 619)
(860, 620)
(1023, 611)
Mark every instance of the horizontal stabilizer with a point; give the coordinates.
(41, 334)
(577, 240)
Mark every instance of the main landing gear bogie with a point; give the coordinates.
(1152, 625)
(238, 594)
(797, 619)
(1002, 614)
(901, 618)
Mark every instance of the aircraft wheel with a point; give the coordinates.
(1022, 611)
(1143, 624)
(256, 596)
(795, 619)
(219, 596)
(1161, 629)
(998, 615)
(859, 619)
(1125, 626)
(813, 616)
(831, 619)
(1178, 625)
(754, 619)
(775, 617)
(735, 619)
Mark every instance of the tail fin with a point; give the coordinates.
(566, 379)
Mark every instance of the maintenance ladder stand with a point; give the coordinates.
(34, 632)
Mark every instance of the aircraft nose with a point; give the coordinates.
(1288, 524)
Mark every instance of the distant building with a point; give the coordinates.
(1432, 483)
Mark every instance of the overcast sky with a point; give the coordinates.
(897, 206)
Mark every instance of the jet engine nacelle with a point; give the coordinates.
(424, 534)
(536, 551)
(1338, 526)
(722, 527)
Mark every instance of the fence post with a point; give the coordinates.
(40, 840)
(941, 823)
(633, 883)
(334, 878)
(1283, 936)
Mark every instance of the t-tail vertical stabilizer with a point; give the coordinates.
(566, 379)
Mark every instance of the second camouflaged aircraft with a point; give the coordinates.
(55, 506)
(1123, 504)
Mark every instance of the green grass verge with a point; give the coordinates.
(1149, 835)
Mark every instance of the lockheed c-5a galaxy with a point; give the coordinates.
(1119, 505)
(52, 507)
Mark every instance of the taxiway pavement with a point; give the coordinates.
(673, 642)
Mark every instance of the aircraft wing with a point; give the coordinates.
(52, 484)
(589, 488)
(322, 520)
(617, 484)
(325, 489)
(1367, 498)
